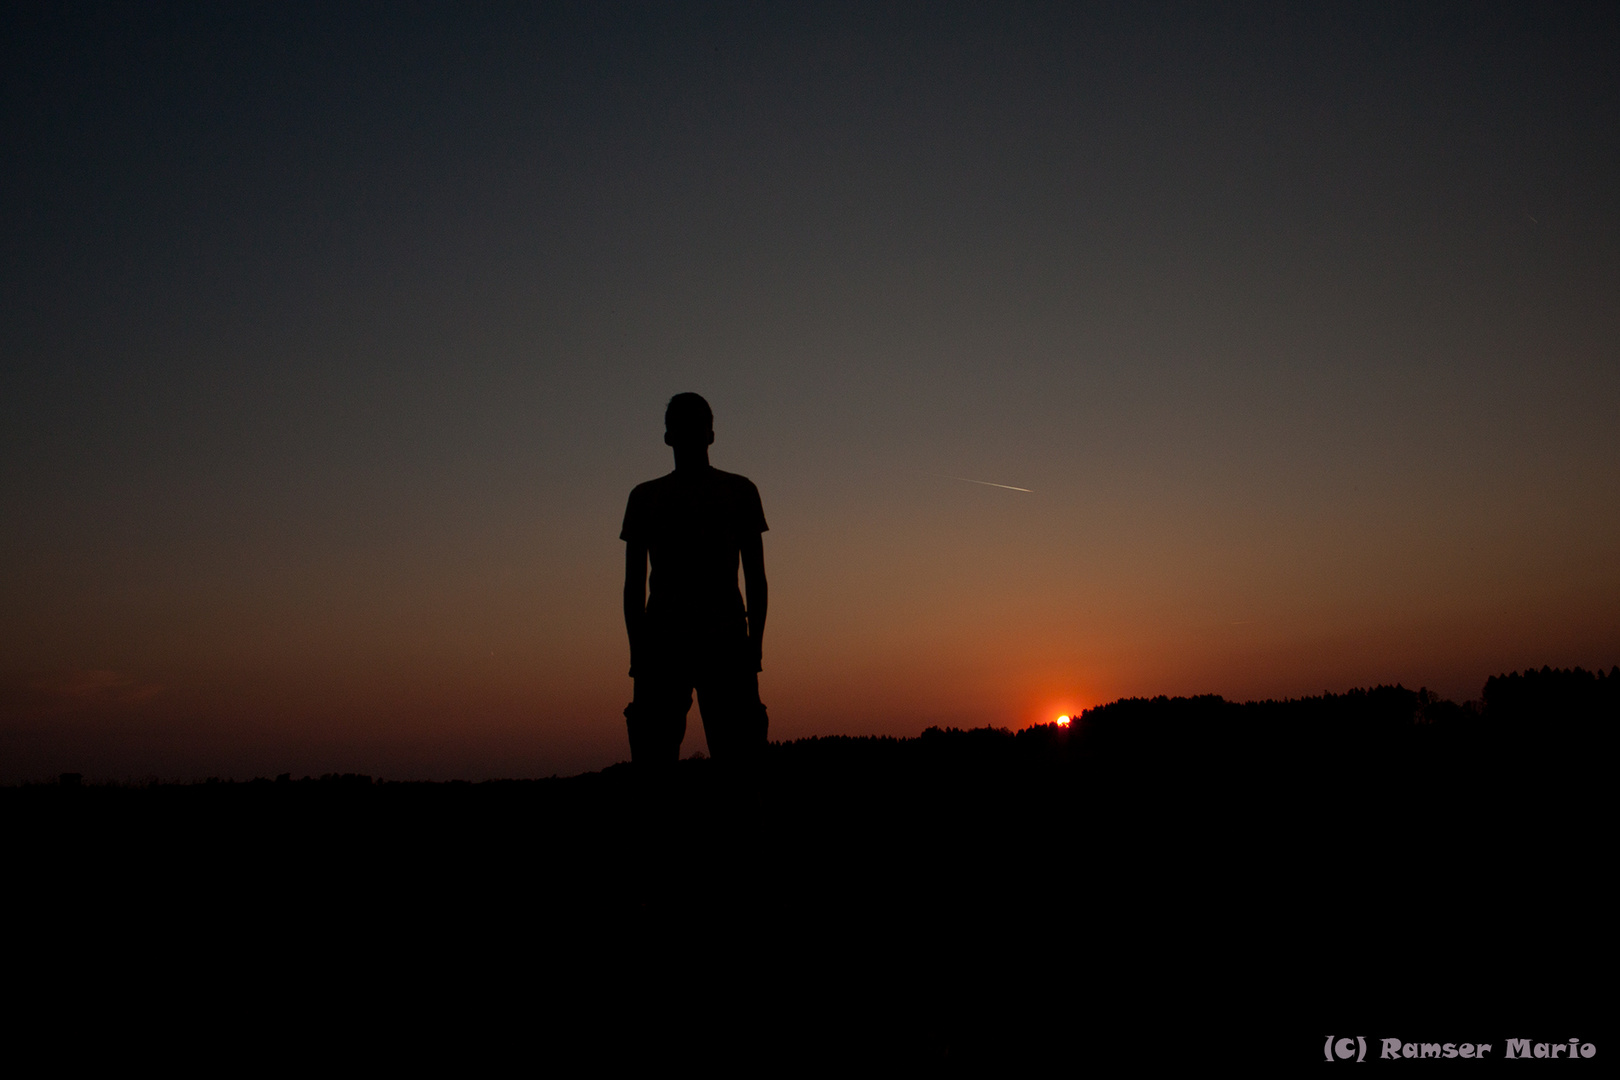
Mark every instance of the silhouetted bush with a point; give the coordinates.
(1152, 849)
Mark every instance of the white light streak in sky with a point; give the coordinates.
(987, 483)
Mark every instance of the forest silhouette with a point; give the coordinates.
(1164, 875)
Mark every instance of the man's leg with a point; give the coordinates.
(734, 719)
(656, 718)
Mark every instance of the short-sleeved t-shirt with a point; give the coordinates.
(694, 524)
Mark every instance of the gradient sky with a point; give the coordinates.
(334, 337)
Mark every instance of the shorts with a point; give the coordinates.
(734, 719)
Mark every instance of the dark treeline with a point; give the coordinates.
(1174, 870)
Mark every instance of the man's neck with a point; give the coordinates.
(691, 459)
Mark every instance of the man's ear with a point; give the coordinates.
(666, 439)
(711, 438)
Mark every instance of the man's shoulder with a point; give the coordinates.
(735, 481)
(643, 508)
(744, 498)
(651, 488)
(741, 493)
(710, 479)
(674, 488)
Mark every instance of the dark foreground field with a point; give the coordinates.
(1171, 879)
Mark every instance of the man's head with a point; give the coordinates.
(688, 421)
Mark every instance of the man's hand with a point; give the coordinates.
(635, 595)
(758, 595)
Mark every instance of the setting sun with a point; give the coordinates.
(1063, 721)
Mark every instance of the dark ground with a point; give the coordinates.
(1185, 879)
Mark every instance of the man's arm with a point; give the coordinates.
(635, 594)
(757, 594)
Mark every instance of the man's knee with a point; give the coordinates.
(655, 732)
(740, 731)
(758, 724)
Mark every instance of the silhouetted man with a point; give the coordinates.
(691, 630)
